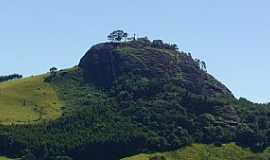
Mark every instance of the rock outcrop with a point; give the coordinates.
(105, 62)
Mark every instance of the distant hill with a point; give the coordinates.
(126, 98)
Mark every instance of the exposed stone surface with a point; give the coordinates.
(105, 62)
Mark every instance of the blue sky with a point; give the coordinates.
(232, 36)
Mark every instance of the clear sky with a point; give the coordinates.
(232, 36)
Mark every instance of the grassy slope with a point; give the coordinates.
(207, 152)
(5, 158)
(28, 100)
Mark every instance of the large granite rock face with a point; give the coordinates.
(105, 62)
(99, 64)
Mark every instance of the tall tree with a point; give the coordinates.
(53, 70)
(117, 36)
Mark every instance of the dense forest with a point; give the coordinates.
(137, 96)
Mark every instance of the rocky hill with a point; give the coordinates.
(132, 97)
(157, 71)
(104, 63)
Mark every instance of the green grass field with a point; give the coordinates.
(205, 152)
(5, 158)
(28, 100)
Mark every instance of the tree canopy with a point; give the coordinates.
(117, 36)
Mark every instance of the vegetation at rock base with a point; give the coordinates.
(131, 97)
(202, 152)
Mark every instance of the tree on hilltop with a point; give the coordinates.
(117, 36)
(53, 71)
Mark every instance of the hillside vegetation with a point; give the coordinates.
(205, 152)
(28, 100)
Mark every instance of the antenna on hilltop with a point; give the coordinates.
(134, 36)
